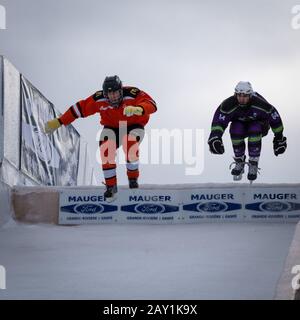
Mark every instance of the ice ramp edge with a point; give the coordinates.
(158, 204)
(288, 287)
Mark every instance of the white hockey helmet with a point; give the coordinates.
(244, 87)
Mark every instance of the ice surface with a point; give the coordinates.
(201, 261)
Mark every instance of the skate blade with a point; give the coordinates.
(111, 199)
(251, 181)
(238, 178)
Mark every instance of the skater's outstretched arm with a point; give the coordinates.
(144, 101)
(223, 116)
(270, 114)
(143, 104)
(80, 109)
(221, 119)
(276, 124)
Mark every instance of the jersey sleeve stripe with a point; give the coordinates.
(76, 110)
(73, 112)
(80, 109)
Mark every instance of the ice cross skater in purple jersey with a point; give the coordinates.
(251, 116)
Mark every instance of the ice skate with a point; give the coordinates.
(111, 193)
(238, 170)
(253, 169)
(133, 183)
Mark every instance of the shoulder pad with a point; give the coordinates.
(98, 95)
(131, 92)
(229, 105)
(261, 104)
(256, 94)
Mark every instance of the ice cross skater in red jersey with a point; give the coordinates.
(124, 112)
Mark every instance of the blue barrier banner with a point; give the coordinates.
(134, 206)
(159, 205)
(273, 203)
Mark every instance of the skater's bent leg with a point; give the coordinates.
(239, 147)
(108, 149)
(254, 139)
(109, 143)
(255, 133)
(265, 127)
(130, 146)
(237, 135)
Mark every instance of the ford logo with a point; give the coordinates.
(89, 208)
(275, 206)
(211, 207)
(149, 208)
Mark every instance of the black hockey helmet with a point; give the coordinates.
(113, 84)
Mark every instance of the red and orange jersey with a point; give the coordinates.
(111, 116)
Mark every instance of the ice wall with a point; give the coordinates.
(11, 173)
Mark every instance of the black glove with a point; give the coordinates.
(216, 145)
(279, 144)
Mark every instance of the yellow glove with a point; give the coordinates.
(133, 110)
(51, 126)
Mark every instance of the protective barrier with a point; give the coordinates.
(1, 111)
(160, 204)
(48, 159)
(5, 203)
(27, 155)
(12, 113)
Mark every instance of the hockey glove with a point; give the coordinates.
(51, 126)
(279, 145)
(216, 145)
(133, 110)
